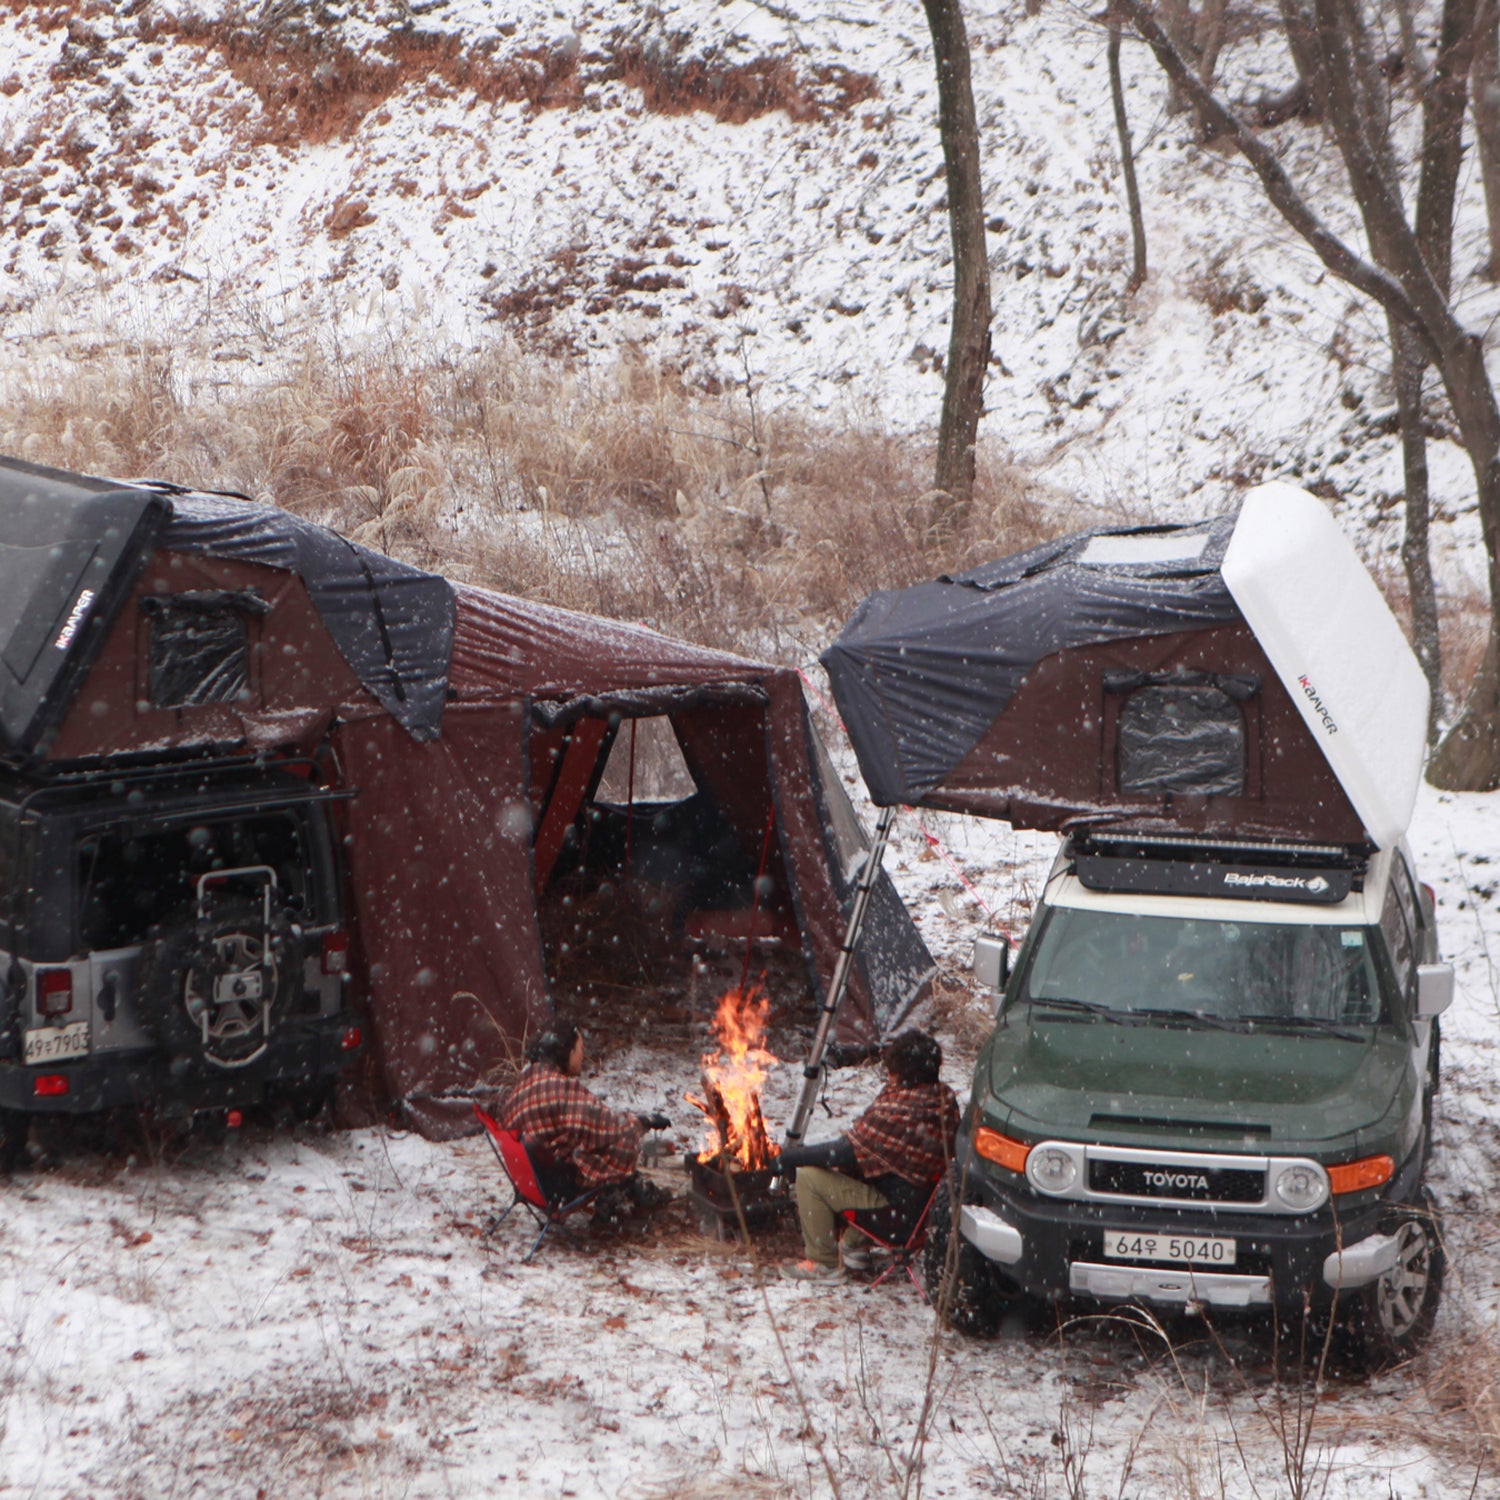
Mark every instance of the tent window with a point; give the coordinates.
(661, 773)
(199, 649)
(1175, 738)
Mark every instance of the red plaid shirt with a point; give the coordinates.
(908, 1131)
(558, 1117)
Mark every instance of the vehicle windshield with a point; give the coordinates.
(1252, 972)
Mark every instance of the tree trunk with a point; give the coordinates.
(1177, 18)
(1127, 162)
(1411, 48)
(1487, 119)
(969, 341)
(1296, 24)
(1407, 367)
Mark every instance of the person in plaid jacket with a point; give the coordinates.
(576, 1142)
(890, 1158)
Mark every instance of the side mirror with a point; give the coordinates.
(992, 960)
(1434, 990)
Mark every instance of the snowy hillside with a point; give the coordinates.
(741, 191)
(749, 192)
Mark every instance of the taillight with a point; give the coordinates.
(49, 1085)
(336, 953)
(352, 1039)
(54, 991)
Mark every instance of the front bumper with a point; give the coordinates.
(1054, 1247)
(304, 1059)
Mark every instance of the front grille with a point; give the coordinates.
(1180, 1182)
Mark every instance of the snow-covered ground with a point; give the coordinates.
(305, 1313)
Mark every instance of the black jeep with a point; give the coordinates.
(173, 937)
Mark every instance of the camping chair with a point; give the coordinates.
(549, 1210)
(892, 1231)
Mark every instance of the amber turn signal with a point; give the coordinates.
(1368, 1172)
(993, 1146)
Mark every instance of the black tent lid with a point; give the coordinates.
(72, 547)
(920, 674)
(70, 550)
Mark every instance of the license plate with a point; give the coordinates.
(50, 1043)
(1180, 1249)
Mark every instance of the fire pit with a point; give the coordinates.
(762, 1199)
(736, 1162)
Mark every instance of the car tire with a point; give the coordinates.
(1391, 1318)
(180, 970)
(958, 1279)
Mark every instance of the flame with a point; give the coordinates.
(732, 1078)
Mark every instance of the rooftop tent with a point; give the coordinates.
(70, 549)
(1240, 675)
(473, 729)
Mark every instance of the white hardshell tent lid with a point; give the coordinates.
(1337, 648)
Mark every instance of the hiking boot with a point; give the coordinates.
(611, 1207)
(812, 1270)
(648, 1196)
(855, 1259)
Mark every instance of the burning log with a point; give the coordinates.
(744, 1144)
(732, 1077)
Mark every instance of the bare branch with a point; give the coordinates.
(1343, 261)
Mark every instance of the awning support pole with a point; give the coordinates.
(813, 1070)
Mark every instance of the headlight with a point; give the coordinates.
(1302, 1186)
(1050, 1169)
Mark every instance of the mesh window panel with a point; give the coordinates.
(199, 654)
(1187, 739)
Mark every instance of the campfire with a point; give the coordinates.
(732, 1077)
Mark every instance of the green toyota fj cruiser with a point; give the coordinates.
(1210, 1085)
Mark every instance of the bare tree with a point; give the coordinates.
(1402, 282)
(969, 338)
(1296, 100)
(1198, 34)
(1127, 159)
(1486, 74)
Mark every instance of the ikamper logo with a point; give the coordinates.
(1305, 683)
(74, 620)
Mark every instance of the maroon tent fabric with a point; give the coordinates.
(448, 785)
(440, 847)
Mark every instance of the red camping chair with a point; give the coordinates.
(548, 1210)
(904, 1240)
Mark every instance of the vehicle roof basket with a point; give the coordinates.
(1172, 864)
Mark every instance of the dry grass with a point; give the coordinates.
(620, 492)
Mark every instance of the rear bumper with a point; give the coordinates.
(1055, 1248)
(312, 1055)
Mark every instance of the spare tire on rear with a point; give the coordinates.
(219, 986)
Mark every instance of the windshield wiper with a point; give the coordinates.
(1320, 1024)
(1189, 1017)
(1079, 1008)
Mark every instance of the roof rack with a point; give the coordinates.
(1175, 865)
